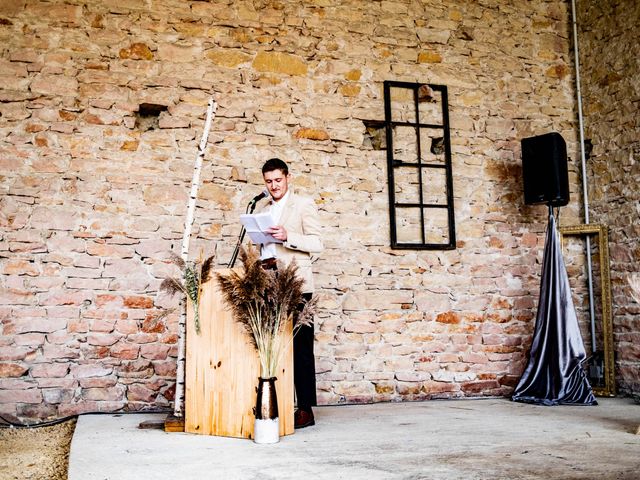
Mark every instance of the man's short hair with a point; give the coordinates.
(275, 164)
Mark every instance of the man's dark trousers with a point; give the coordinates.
(304, 365)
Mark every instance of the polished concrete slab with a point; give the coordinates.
(445, 439)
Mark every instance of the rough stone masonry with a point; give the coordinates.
(102, 104)
(609, 59)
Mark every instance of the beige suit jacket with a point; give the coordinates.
(304, 236)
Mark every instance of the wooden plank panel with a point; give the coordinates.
(222, 370)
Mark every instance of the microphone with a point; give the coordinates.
(263, 194)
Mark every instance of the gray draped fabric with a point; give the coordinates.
(554, 374)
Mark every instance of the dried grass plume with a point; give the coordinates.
(264, 301)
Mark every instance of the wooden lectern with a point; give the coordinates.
(222, 370)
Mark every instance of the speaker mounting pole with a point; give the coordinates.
(585, 197)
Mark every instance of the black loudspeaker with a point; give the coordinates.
(544, 170)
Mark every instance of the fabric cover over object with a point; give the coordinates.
(554, 374)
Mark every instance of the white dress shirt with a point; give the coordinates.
(276, 209)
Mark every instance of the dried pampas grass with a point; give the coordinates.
(194, 274)
(264, 301)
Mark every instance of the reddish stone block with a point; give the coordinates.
(37, 411)
(84, 406)
(106, 250)
(104, 394)
(479, 387)
(140, 393)
(471, 357)
(14, 353)
(29, 339)
(116, 268)
(447, 357)
(142, 338)
(102, 340)
(135, 366)
(61, 337)
(138, 302)
(170, 338)
(15, 383)
(408, 388)
(432, 387)
(61, 312)
(125, 351)
(169, 392)
(42, 284)
(153, 324)
(98, 382)
(95, 352)
(103, 325)
(126, 327)
(457, 367)
(53, 352)
(137, 314)
(14, 298)
(165, 368)
(87, 283)
(78, 326)
(12, 370)
(20, 267)
(65, 298)
(154, 351)
(448, 317)
(112, 301)
(31, 395)
(49, 370)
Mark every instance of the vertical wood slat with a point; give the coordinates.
(222, 370)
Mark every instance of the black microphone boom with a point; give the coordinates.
(260, 196)
(250, 208)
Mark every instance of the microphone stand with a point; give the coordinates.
(250, 208)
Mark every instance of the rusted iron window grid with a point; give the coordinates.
(393, 164)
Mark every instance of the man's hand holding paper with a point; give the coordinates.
(262, 229)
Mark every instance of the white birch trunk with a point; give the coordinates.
(193, 195)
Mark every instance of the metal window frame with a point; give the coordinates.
(392, 164)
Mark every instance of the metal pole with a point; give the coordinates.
(585, 197)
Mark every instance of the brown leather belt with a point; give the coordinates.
(269, 264)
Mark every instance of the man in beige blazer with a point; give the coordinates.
(298, 228)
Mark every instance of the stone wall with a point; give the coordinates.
(611, 89)
(94, 186)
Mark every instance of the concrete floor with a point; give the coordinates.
(453, 439)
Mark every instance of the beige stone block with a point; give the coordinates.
(230, 58)
(217, 194)
(54, 85)
(279, 62)
(376, 300)
(179, 53)
(56, 13)
(162, 194)
(433, 35)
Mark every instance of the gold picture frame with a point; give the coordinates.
(602, 233)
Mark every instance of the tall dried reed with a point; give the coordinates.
(264, 301)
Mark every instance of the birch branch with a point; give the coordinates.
(193, 195)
